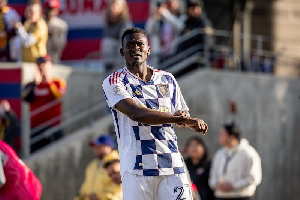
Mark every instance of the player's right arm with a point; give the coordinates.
(149, 116)
(118, 98)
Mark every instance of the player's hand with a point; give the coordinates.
(196, 124)
(182, 114)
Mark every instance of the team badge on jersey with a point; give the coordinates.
(117, 90)
(163, 89)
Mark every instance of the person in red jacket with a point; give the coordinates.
(44, 95)
(17, 181)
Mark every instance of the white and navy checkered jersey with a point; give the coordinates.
(149, 150)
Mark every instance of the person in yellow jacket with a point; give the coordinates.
(111, 163)
(97, 184)
(34, 34)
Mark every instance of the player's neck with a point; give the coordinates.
(142, 71)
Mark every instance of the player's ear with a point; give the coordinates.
(121, 52)
(148, 51)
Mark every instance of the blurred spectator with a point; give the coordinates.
(97, 185)
(9, 44)
(163, 27)
(236, 168)
(267, 65)
(111, 163)
(44, 95)
(198, 165)
(221, 61)
(9, 124)
(16, 179)
(34, 33)
(57, 30)
(194, 189)
(195, 20)
(117, 20)
(255, 62)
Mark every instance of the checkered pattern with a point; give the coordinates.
(156, 150)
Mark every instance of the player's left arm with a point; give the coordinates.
(181, 108)
(58, 88)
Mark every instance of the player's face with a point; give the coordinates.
(135, 49)
(224, 138)
(102, 150)
(195, 150)
(113, 171)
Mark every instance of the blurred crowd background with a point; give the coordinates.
(237, 62)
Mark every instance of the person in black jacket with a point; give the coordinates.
(198, 165)
(195, 20)
(9, 124)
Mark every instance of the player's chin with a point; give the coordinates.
(136, 63)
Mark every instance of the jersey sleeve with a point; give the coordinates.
(114, 90)
(180, 102)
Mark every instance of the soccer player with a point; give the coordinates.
(145, 102)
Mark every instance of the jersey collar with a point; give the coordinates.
(138, 78)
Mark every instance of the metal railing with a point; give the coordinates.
(91, 105)
(210, 52)
(94, 102)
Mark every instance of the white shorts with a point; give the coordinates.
(170, 187)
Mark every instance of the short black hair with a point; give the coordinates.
(106, 165)
(233, 130)
(133, 30)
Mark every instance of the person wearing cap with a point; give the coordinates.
(111, 163)
(34, 33)
(236, 168)
(9, 124)
(57, 30)
(97, 184)
(45, 91)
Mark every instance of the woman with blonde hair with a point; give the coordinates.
(117, 20)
